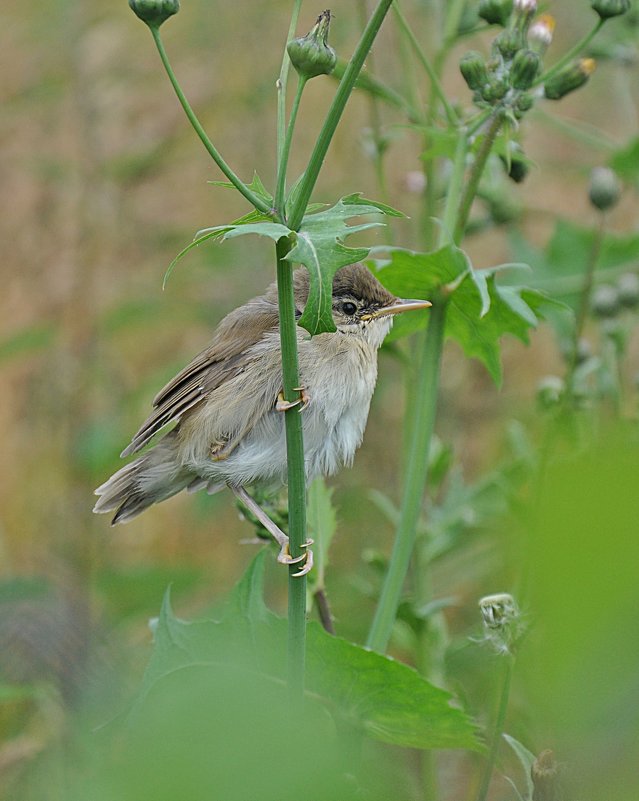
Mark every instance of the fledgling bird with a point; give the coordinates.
(227, 404)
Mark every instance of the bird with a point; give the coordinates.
(227, 408)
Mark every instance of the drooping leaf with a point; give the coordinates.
(319, 247)
(379, 696)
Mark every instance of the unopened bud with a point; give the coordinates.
(473, 68)
(524, 69)
(509, 42)
(495, 89)
(570, 78)
(610, 8)
(523, 104)
(311, 55)
(628, 290)
(541, 33)
(605, 188)
(495, 12)
(544, 773)
(550, 391)
(605, 301)
(154, 12)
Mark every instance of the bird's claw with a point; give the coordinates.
(285, 558)
(282, 405)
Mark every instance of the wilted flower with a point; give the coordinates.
(541, 33)
(502, 621)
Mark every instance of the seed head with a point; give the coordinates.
(311, 55)
(502, 621)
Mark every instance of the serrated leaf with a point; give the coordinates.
(319, 247)
(480, 311)
(256, 186)
(375, 694)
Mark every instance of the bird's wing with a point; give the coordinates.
(224, 358)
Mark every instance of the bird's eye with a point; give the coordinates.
(349, 308)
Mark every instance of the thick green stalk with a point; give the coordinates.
(423, 419)
(416, 473)
(296, 473)
(280, 190)
(344, 90)
(252, 198)
(498, 730)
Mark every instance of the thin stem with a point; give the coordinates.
(584, 300)
(416, 473)
(481, 158)
(280, 190)
(252, 198)
(455, 188)
(498, 730)
(344, 90)
(296, 473)
(571, 54)
(282, 82)
(438, 89)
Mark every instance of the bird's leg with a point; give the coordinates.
(283, 405)
(284, 556)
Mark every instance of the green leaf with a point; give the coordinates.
(480, 311)
(526, 759)
(245, 225)
(376, 695)
(256, 186)
(625, 161)
(319, 247)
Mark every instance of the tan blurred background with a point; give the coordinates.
(102, 182)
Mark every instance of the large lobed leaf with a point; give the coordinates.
(375, 694)
(480, 310)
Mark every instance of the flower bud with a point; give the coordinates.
(524, 11)
(473, 68)
(154, 12)
(541, 32)
(605, 188)
(495, 89)
(311, 55)
(524, 69)
(495, 12)
(610, 8)
(509, 42)
(605, 301)
(550, 391)
(523, 104)
(628, 290)
(570, 78)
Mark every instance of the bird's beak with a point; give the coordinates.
(400, 305)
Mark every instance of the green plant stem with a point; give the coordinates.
(416, 473)
(438, 89)
(571, 54)
(280, 190)
(586, 295)
(455, 189)
(252, 198)
(498, 730)
(282, 83)
(344, 90)
(481, 158)
(296, 473)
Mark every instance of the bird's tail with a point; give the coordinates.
(153, 477)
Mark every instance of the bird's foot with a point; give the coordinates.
(283, 405)
(285, 558)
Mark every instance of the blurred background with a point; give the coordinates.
(102, 182)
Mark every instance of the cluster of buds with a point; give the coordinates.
(512, 78)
